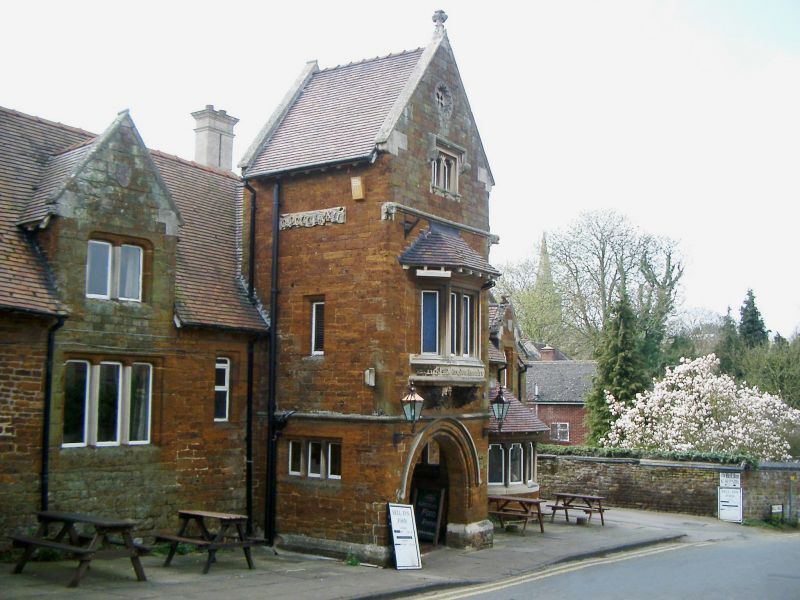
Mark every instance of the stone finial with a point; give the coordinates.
(439, 17)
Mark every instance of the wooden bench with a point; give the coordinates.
(516, 508)
(32, 543)
(566, 501)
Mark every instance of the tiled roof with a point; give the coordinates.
(496, 355)
(533, 350)
(560, 381)
(519, 419)
(26, 147)
(36, 157)
(208, 289)
(497, 313)
(442, 246)
(337, 116)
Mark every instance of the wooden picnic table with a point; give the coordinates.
(229, 534)
(587, 503)
(83, 547)
(516, 507)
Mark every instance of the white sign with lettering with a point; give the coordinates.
(730, 480)
(729, 504)
(404, 532)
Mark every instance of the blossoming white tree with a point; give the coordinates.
(693, 408)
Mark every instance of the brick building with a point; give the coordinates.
(130, 350)
(557, 388)
(371, 191)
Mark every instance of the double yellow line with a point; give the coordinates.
(474, 590)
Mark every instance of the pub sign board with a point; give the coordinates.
(404, 535)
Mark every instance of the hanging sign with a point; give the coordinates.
(404, 533)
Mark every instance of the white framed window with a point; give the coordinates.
(515, 464)
(444, 171)
(334, 460)
(314, 459)
(317, 328)
(529, 457)
(458, 319)
(295, 457)
(559, 432)
(114, 271)
(107, 404)
(496, 464)
(430, 322)
(222, 388)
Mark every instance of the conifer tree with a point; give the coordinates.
(619, 368)
(729, 348)
(752, 331)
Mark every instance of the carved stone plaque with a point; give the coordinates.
(314, 218)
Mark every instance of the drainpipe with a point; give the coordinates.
(249, 437)
(520, 373)
(272, 430)
(251, 259)
(48, 401)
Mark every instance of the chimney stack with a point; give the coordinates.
(548, 353)
(213, 142)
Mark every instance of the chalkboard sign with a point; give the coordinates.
(428, 505)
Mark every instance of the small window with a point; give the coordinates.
(141, 376)
(496, 463)
(76, 402)
(444, 172)
(515, 464)
(430, 322)
(222, 389)
(130, 273)
(317, 328)
(334, 460)
(559, 432)
(114, 271)
(98, 270)
(315, 459)
(295, 457)
(108, 404)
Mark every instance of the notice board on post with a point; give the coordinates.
(428, 506)
(404, 536)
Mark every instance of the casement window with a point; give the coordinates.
(295, 457)
(107, 404)
(317, 328)
(511, 464)
(457, 320)
(496, 464)
(222, 389)
(114, 271)
(316, 459)
(444, 171)
(559, 432)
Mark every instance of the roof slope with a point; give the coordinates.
(519, 419)
(26, 146)
(38, 156)
(336, 117)
(560, 381)
(442, 246)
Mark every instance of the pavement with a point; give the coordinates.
(280, 574)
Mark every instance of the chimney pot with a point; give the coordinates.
(213, 142)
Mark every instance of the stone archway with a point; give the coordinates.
(466, 524)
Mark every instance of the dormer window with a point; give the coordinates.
(114, 271)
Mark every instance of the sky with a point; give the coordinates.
(682, 115)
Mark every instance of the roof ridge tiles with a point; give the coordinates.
(196, 165)
(47, 122)
(367, 60)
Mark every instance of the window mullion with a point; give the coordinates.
(94, 392)
(125, 404)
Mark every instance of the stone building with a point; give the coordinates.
(131, 349)
(371, 190)
(512, 442)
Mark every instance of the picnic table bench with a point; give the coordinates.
(515, 508)
(587, 503)
(83, 547)
(229, 534)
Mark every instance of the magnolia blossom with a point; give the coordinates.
(695, 409)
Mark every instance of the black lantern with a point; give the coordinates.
(412, 409)
(500, 408)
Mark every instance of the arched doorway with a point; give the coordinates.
(443, 459)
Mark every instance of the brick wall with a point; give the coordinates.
(573, 414)
(672, 487)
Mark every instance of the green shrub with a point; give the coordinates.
(596, 451)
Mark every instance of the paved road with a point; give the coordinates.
(763, 565)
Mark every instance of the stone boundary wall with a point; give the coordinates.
(670, 486)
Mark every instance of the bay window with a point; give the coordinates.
(512, 464)
(455, 322)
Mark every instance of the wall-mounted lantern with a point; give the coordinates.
(412, 409)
